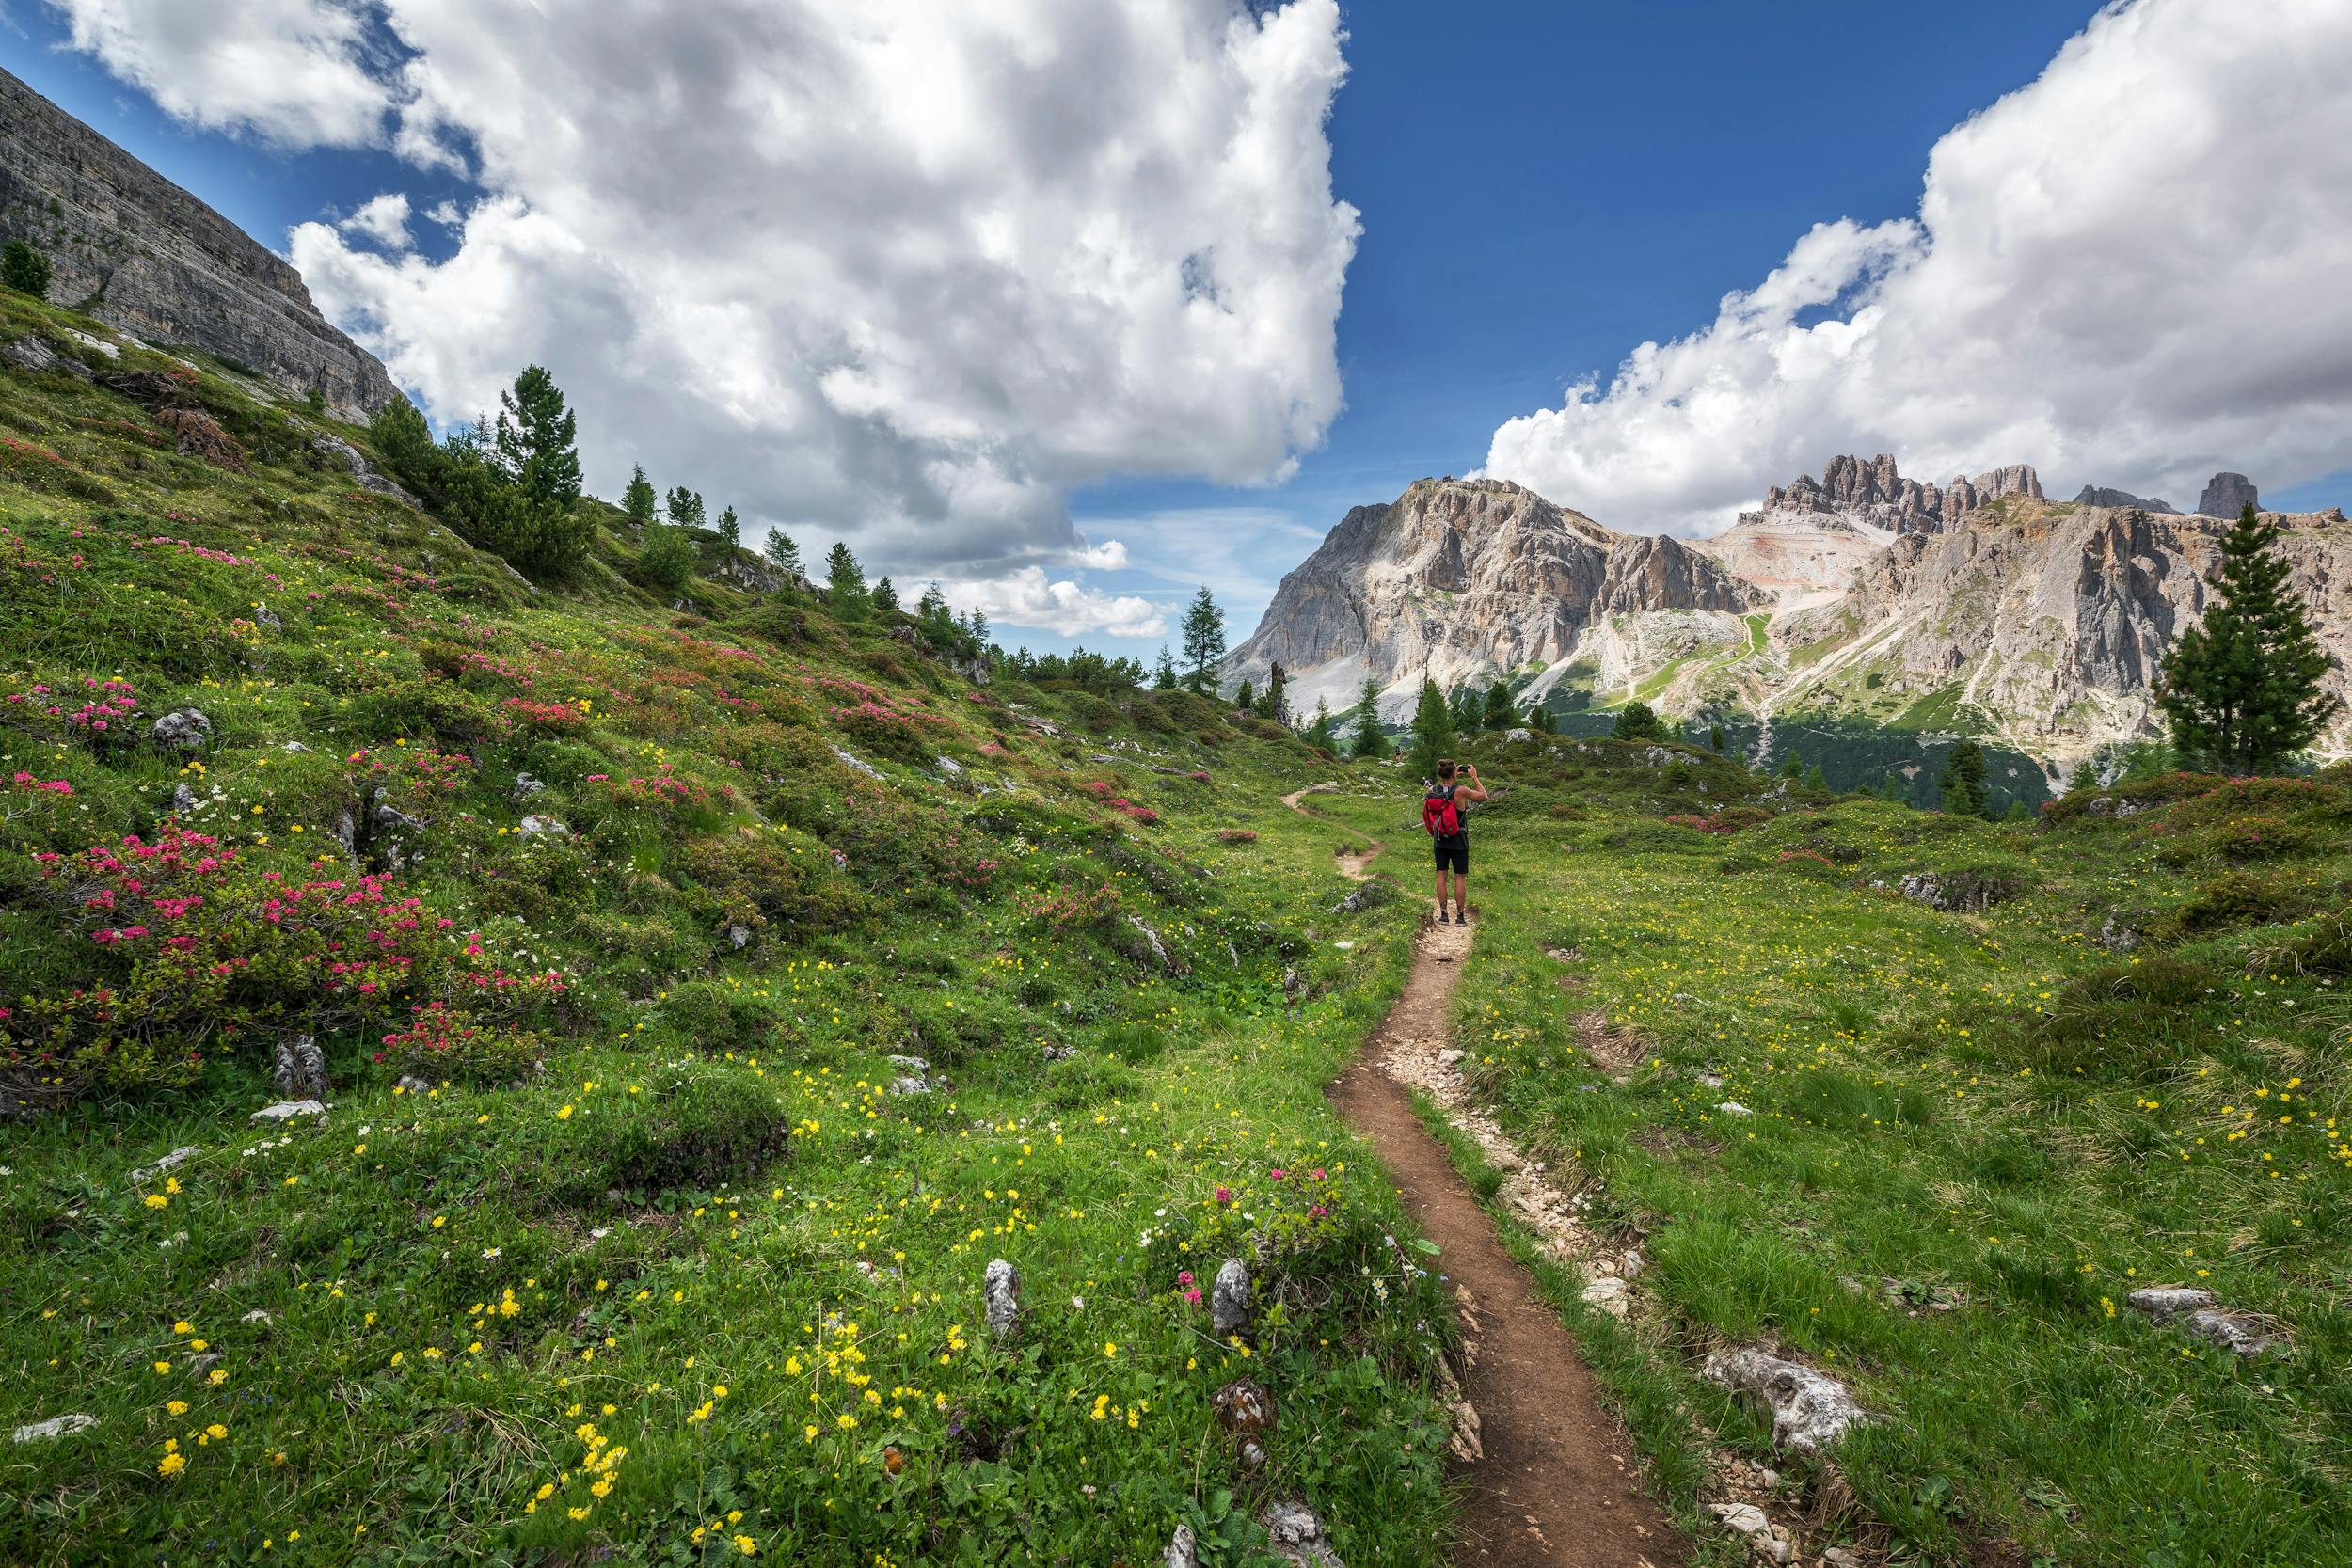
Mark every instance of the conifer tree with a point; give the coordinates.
(2241, 689)
(1164, 674)
(1319, 732)
(885, 597)
(1466, 706)
(667, 556)
(782, 553)
(931, 608)
(1246, 698)
(1370, 741)
(535, 439)
(1433, 729)
(845, 583)
(1715, 738)
(637, 502)
(1500, 713)
(730, 529)
(24, 269)
(1963, 782)
(1204, 639)
(1638, 721)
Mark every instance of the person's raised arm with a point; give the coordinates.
(1476, 790)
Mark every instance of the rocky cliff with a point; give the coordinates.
(2227, 495)
(2101, 494)
(1457, 579)
(140, 254)
(2042, 626)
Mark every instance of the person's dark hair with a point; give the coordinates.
(1445, 770)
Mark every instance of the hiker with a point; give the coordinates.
(1442, 811)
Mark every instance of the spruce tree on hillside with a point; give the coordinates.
(1963, 782)
(637, 501)
(1715, 738)
(667, 556)
(1164, 674)
(977, 625)
(1638, 721)
(885, 597)
(1466, 705)
(730, 529)
(933, 610)
(1204, 639)
(535, 439)
(1433, 730)
(845, 583)
(782, 553)
(2241, 689)
(1500, 713)
(24, 269)
(1319, 732)
(1370, 741)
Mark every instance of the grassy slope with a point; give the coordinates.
(701, 1229)
(1988, 1108)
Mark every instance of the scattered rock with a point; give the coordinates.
(1182, 1551)
(56, 1427)
(1451, 1056)
(536, 826)
(183, 729)
(112, 351)
(1000, 1297)
(182, 799)
(1809, 1409)
(341, 453)
(740, 935)
(264, 616)
(857, 764)
(31, 354)
(1229, 1299)
(2116, 937)
(293, 748)
(524, 788)
(1153, 945)
(172, 1161)
(1611, 1293)
(1839, 1556)
(2113, 807)
(1956, 891)
(1518, 735)
(286, 1110)
(1246, 1412)
(1742, 1518)
(2161, 1303)
(260, 1315)
(914, 1075)
(1299, 1536)
(2241, 1332)
(410, 1083)
(948, 767)
(300, 1071)
(1733, 1108)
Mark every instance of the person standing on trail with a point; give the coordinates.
(1444, 811)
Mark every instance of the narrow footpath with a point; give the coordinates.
(1556, 1484)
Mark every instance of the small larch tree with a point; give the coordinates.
(730, 529)
(1370, 741)
(1204, 639)
(637, 501)
(845, 582)
(886, 595)
(2241, 691)
(1963, 782)
(1319, 731)
(535, 439)
(1500, 712)
(782, 553)
(1433, 729)
(1164, 672)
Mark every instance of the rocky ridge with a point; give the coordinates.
(135, 251)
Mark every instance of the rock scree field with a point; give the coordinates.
(573, 1070)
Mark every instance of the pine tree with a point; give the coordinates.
(1637, 721)
(1466, 706)
(1278, 703)
(24, 269)
(1246, 698)
(1204, 639)
(1715, 738)
(730, 529)
(1543, 722)
(1816, 779)
(1500, 713)
(1792, 766)
(2241, 691)
(845, 583)
(1370, 741)
(976, 623)
(931, 608)
(782, 553)
(535, 439)
(685, 507)
(1962, 783)
(1433, 730)
(1164, 674)
(1319, 732)
(885, 597)
(637, 502)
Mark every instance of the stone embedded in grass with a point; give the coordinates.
(178, 1157)
(2192, 1307)
(1184, 1550)
(1000, 1298)
(410, 1083)
(1809, 1409)
(1246, 1412)
(1612, 1293)
(299, 1071)
(525, 787)
(536, 826)
(183, 729)
(56, 1427)
(856, 763)
(1299, 1536)
(1733, 1108)
(1229, 1299)
(914, 1075)
(286, 1110)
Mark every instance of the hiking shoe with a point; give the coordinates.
(1460, 919)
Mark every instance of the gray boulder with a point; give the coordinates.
(1000, 1299)
(525, 787)
(287, 1110)
(2193, 1308)
(543, 827)
(1229, 1299)
(1298, 1537)
(183, 729)
(56, 1427)
(172, 1161)
(31, 354)
(300, 1071)
(1810, 1410)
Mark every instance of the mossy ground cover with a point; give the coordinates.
(1973, 1134)
(664, 1263)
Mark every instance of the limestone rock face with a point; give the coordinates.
(145, 257)
(2226, 495)
(1460, 579)
(2101, 494)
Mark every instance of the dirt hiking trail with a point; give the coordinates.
(1555, 1485)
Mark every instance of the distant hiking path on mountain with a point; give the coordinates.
(1554, 1485)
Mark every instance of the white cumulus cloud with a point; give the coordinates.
(383, 218)
(2130, 272)
(908, 271)
(1027, 597)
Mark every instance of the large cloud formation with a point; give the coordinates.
(2130, 272)
(905, 272)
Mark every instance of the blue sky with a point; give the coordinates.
(1542, 187)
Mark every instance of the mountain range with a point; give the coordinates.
(1977, 607)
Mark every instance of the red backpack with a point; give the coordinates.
(1439, 815)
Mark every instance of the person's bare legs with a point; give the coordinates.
(1442, 892)
(1461, 896)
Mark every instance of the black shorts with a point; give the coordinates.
(1453, 853)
